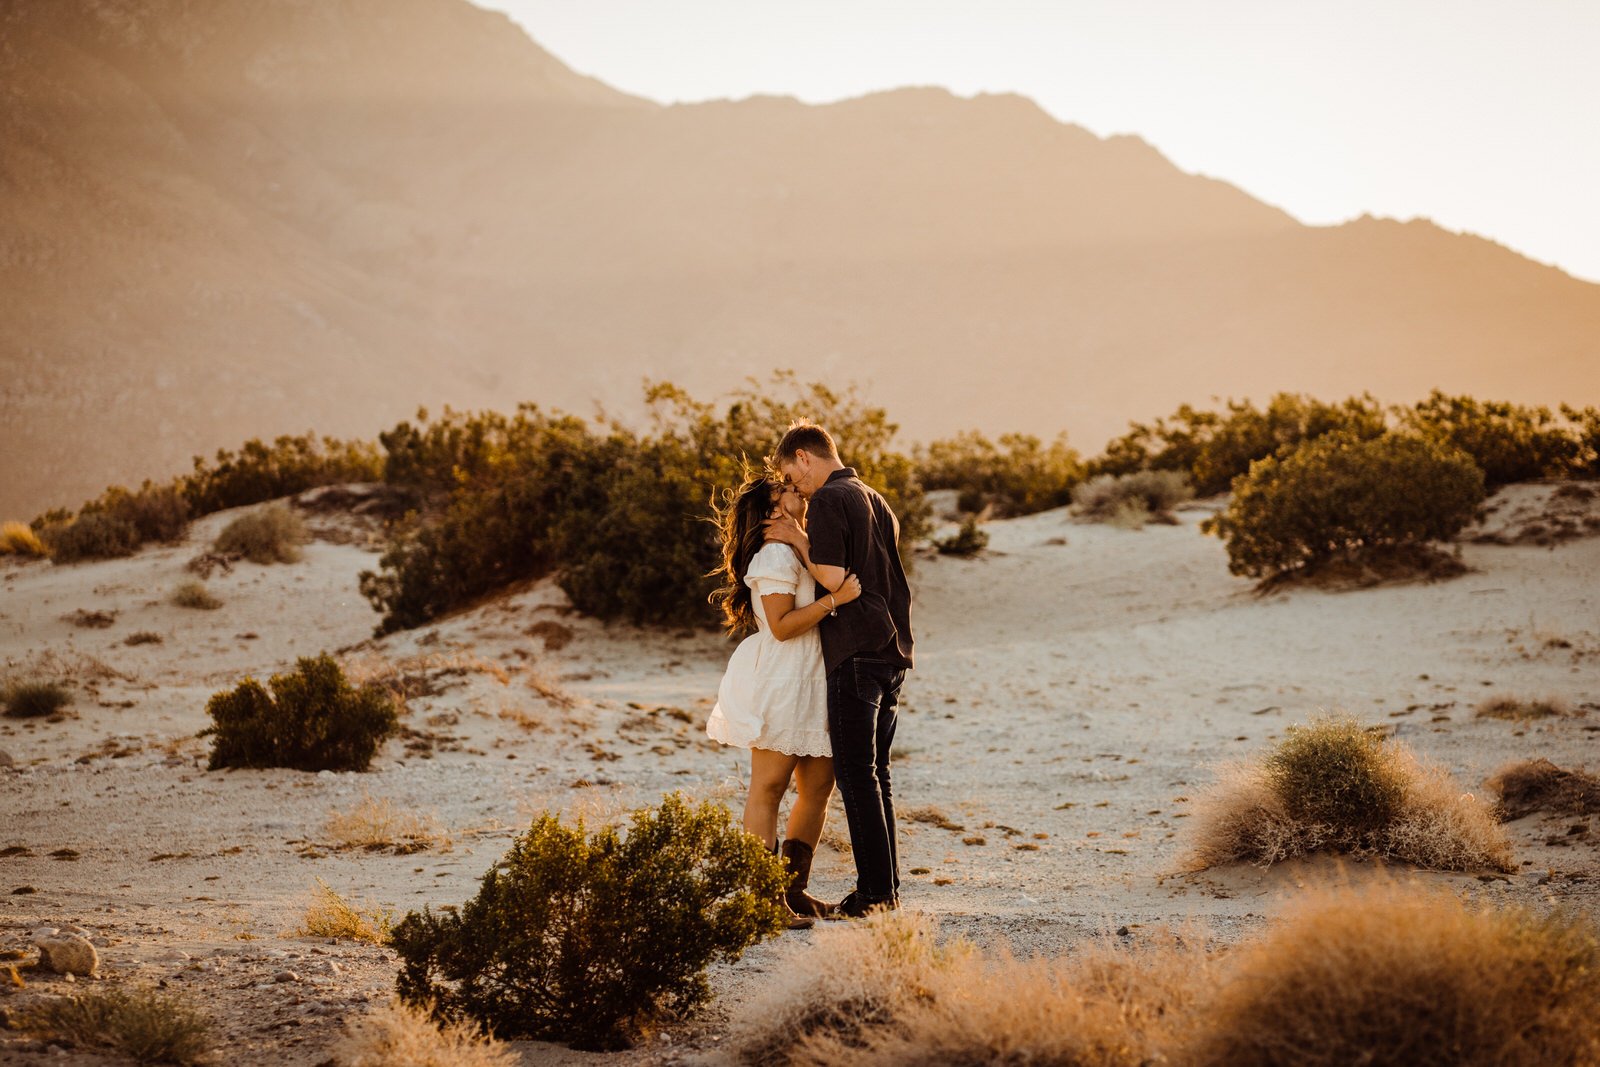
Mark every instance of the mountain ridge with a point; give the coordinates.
(225, 222)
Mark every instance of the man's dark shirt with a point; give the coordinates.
(851, 526)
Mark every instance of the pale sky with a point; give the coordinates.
(1481, 116)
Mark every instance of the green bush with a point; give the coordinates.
(1509, 442)
(1019, 475)
(259, 472)
(1585, 462)
(34, 699)
(496, 527)
(1214, 448)
(272, 534)
(590, 939)
(967, 541)
(312, 720)
(1343, 496)
(92, 535)
(620, 514)
(1132, 499)
(1336, 773)
(156, 512)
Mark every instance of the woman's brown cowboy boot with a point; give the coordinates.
(796, 920)
(797, 858)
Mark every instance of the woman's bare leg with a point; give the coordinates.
(769, 781)
(814, 782)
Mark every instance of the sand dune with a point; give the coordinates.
(1076, 684)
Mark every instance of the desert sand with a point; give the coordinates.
(1076, 687)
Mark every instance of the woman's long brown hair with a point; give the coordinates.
(739, 518)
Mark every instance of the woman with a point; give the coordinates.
(774, 697)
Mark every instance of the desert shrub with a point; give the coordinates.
(331, 915)
(1214, 448)
(34, 698)
(623, 512)
(272, 534)
(1131, 499)
(91, 535)
(1343, 496)
(1338, 773)
(1521, 709)
(18, 539)
(143, 1024)
(143, 637)
(967, 541)
(496, 527)
(592, 938)
(1245, 434)
(1585, 423)
(312, 720)
(1527, 786)
(1333, 786)
(398, 1035)
(1508, 442)
(193, 594)
(1018, 475)
(1405, 976)
(259, 472)
(1169, 444)
(156, 512)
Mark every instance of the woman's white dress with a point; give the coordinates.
(775, 693)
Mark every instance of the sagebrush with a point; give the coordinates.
(594, 938)
(313, 719)
(1342, 495)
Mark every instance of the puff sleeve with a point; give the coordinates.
(774, 569)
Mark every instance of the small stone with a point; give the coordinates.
(286, 976)
(6, 760)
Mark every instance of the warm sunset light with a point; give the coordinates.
(799, 534)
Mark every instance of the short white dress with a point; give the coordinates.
(775, 693)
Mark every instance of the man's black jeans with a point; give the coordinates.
(863, 694)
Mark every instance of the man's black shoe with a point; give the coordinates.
(856, 906)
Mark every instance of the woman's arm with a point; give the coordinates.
(792, 534)
(786, 621)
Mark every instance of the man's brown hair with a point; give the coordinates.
(806, 436)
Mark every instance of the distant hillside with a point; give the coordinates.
(222, 221)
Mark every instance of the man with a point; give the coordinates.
(866, 644)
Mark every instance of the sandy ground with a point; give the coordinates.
(1076, 685)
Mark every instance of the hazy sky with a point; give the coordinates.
(1482, 116)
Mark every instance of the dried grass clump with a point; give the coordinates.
(140, 1023)
(195, 595)
(1131, 500)
(331, 915)
(272, 534)
(1528, 786)
(1333, 786)
(397, 1035)
(18, 539)
(34, 698)
(853, 979)
(1397, 975)
(375, 824)
(1522, 709)
(885, 992)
